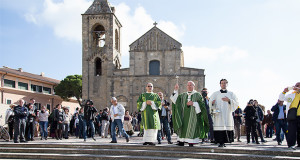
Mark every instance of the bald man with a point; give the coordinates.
(149, 103)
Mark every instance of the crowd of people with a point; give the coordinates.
(192, 115)
(26, 122)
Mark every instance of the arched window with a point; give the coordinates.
(116, 40)
(154, 67)
(98, 67)
(99, 36)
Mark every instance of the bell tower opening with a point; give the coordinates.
(98, 67)
(99, 36)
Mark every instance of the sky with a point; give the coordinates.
(254, 44)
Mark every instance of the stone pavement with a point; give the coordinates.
(135, 140)
(102, 149)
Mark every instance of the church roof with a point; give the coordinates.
(100, 6)
(155, 40)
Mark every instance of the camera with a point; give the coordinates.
(89, 102)
(204, 94)
(167, 104)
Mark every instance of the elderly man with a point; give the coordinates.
(293, 103)
(190, 120)
(149, 103)
(21, 114)
(223, 103)
(117, 112)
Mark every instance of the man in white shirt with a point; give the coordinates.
(117, 112)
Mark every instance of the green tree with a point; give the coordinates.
(71, 86)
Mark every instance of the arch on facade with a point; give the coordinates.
(98, 35)
(154, 67)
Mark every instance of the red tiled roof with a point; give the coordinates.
(28, 75)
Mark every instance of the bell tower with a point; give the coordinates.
(100, 51)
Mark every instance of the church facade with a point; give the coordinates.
(155, 57)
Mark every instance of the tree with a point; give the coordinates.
(71, 86)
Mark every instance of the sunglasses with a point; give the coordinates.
(149, 86)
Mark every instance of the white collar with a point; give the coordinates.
(194, 91)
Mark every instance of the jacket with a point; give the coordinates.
(120, 112)
(89, 113)
(259, 113)
(59, 116)
(9, 116)
(238, 118)
(21, 112)
(31, 116)
(167, 110)
(275, 109)
(288, 98)
(250, 114)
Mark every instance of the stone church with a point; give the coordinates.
(154, 57)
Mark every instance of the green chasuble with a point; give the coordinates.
(150, 117)
(186, 122)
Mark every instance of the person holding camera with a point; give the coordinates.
(89, 117)
(204, 93)
(251, 121)
(164, 119)
(21, 114)
(293, 117)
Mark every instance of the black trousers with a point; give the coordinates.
(251, 128)
(30, 130)
(11, 129)
(258, 127)
(293, 132)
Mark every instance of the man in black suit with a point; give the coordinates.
(164, 119)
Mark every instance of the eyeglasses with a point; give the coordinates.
(149, 86)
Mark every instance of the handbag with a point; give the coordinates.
(292, 113)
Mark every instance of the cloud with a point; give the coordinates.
(225, 53)
(136, 23)
(64, 17)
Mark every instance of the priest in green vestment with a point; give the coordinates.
(149, 103)
(190, 121)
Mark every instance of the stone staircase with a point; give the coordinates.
(137, 151)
